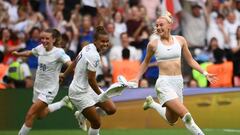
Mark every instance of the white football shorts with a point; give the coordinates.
(83, 100)
(45, 97)
(169, 88)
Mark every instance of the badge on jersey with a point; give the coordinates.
(96, 63)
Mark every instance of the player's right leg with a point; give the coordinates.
(32, 113)
(102, 109)
(106, 108)
(90, 113)
(176, 106)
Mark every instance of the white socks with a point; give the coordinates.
(191, 125)
(24, 130)
(161, 110)
(92, 131)
(100, 111)
(55, 106)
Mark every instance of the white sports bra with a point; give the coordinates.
(168, 52)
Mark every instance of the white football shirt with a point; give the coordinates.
(49, 67)
(87, 59)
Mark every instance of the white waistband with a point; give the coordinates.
(171, 76)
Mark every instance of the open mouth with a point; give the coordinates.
(160, 31)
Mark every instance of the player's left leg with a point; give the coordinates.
(168, 115)
(32, 113)
(102, 109)
(65, 101)
(94, 118)
(81, 120)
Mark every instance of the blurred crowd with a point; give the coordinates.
(211, 28)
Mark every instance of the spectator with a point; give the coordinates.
(3, 71)
(152, 6)
(192, 83)
(222, 68)
(198, 77)
(8, 44)
(135, 24)
(236, 58)
(231, 24)
(113, 37)
(32, 42)
(192, 22)
(89, 7)
(119, 24)
(4, 17)
(115, 52)
(86, 31)
(19, 75)
(218, 30)
(126, 67)
(56, 18)
(12, 8)
(143, 83)
(213, 44)
(72, 32)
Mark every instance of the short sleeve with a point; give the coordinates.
(63, 57)
(36, 50)
(93, 62)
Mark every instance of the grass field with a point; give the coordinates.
(129, 132)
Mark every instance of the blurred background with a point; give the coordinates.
(211, 28)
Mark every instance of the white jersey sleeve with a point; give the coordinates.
(63, 57)
(92, 62)
(36, 50)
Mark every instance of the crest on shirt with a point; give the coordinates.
(96, 63)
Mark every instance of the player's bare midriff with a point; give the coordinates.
(170, 67)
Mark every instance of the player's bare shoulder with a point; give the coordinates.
(152, 45)
(181, 40)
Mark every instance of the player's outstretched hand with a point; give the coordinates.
(134, 82)
(15, 53)
(212, 78)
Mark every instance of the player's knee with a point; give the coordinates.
(111, 110)
(95, 124)
(30, 116)
(173, 121)
(172, 118)
(40, 117)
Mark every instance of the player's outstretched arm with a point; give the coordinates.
(22, 54)
(146, 61)
(212, 78)
(69, 70)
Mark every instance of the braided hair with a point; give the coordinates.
(100, 30)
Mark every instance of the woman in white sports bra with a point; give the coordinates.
(167, 50)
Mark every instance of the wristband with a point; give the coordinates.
(205, 73)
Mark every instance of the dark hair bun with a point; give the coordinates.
(100, 29)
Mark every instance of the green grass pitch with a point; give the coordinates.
(129, 132)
